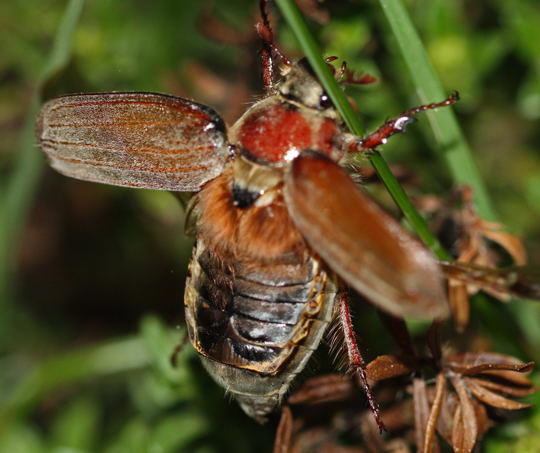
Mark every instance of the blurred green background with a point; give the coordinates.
(92, 276)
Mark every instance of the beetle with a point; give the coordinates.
(281, 227)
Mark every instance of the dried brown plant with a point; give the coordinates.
(455, 397)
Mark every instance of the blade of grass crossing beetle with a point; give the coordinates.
(307, 42)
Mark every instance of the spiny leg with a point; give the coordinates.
(356, 362)
(269, 48)
(345, 76)
(397, 125)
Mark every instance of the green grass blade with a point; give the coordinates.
(82, 364)
(446, 128)
(307, 42)
(16, 196)
(309, 46)
(444, 124)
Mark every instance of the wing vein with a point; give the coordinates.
(115, 165)
(49, 141)
(191, 111)
(117, 124)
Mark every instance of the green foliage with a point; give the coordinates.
(81, 265)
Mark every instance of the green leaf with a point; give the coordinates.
(173, 433)
(161, 343)
(19, 438)
(82, 364)
(132, 438)
(77, 426)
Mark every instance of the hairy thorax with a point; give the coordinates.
(263, 231)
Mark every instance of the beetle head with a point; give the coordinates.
(300, 85)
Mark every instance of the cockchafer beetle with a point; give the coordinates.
(281, 227)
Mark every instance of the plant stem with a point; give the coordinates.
(310, 48)
(449, 137)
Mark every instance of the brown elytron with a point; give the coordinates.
(133, 139)
(277, 221)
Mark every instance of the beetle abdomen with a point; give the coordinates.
(257, 323)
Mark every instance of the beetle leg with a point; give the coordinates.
(269, 48)
(396, 126)
(356, 362)
(178, 349)
(346, 76)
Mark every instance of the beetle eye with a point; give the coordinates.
(325, 101)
